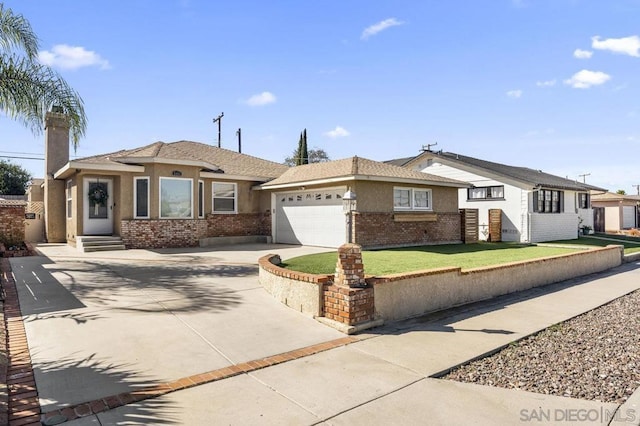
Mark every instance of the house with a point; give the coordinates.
(184, 194)
(159, 195)
(395, 206)
(615, 212)
(526, 205)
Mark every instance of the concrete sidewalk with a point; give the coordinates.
(385, 376)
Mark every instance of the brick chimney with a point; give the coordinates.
(56, 145)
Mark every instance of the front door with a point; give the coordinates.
(98, 206)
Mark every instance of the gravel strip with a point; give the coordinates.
(594, 356)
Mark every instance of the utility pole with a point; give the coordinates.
(428, 146)
(239, 135)
(584, 177)
(637, 187)
(218, 120)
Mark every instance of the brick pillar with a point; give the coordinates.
(349, 300)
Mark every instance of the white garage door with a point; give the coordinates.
(628, 217)
(313, 218)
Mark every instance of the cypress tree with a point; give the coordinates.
(304, 152)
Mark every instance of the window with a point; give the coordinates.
(141, 197)
(411, 199)
(547, 201)
(176, 198)
(485, 193)
(200, 198)
(583, 200)
(224, 197)
(69, 201)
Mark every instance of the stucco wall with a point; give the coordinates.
(299, 291)
(378, 196)
(404, 296)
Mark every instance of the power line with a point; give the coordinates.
(21, 158)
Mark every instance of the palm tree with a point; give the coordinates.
(28, 89)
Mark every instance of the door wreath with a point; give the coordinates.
(98, 195)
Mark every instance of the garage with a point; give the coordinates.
(312, 217)
(628, 217)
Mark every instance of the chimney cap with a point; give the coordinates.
(58, 109)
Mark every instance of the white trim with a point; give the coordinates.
(69, 197)
(365, 178)
(135, 197)
(200, 198)
(218, 176)
(155, 160)
(235, 197)
(160, 197)
(72, 166)
(412, 200)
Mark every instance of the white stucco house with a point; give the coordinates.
(534, 206)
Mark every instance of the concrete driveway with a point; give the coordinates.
(105, 323)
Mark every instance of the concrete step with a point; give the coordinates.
(99, 243)
(104, 248)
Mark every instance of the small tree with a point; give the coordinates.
(621, 192)
(316, 155)
(14, 179)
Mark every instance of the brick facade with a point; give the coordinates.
(233, 225)
(11, 224)
(165, 233)
(381, 229)
(162, 233)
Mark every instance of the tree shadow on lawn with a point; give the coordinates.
(459, 248)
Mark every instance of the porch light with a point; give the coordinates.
(349, 206)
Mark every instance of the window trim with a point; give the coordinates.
(190, 180)
(135, 197)
(412, 200)
(587, 200)
(487, 197)
(69, 195)
(200, 199)
(548, 204)
(235, 198)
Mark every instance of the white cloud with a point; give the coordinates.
(582, 54)
(585, 79)
(625, 45)
(514, 93)
(71, 57)
(546, 83)
(380, 26)
(261, 99)
(338, 132)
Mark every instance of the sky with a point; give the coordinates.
(547, 84)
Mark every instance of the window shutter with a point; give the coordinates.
(561, 196)
(535, 201)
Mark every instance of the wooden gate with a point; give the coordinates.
(495, 225)
(598, 219)
(469, 229)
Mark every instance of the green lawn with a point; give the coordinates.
(391, 261)
(631, 244)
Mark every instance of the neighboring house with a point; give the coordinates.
(615, 212)
(159, 195)
(182, 194)
(395, 206)
(534, 206)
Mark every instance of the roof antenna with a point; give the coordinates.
(428, 147)
(584, 177)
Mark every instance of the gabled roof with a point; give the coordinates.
(610, 196)
(356, 168)
(536, 178)
(210, 158)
